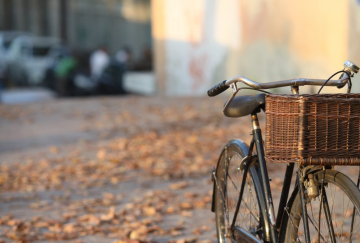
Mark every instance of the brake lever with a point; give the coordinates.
(235, 91)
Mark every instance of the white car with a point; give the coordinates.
(6, 38)
(28, 59)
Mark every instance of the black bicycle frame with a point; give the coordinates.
(272, 225)
(269, 206)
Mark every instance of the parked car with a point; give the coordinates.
(6, 38)
(28, 58)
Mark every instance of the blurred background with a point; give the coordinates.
(106, 132)
(77, 47)
(171, 47)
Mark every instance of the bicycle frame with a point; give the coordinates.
(269, 206)
(271, 224)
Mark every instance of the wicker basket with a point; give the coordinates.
(313, 129)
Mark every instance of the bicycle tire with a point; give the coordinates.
(228, 184)
(342, 193)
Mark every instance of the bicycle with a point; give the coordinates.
(324, 205)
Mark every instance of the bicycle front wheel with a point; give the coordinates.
(228, 181)
(333, 216)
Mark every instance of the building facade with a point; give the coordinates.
(83, 24)
(197, 44)
(200, 43)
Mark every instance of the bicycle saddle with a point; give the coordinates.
(245, 105)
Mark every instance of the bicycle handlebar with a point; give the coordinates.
(221, 87)
(218, 89)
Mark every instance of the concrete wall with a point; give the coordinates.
(200, 43)
(189, 47)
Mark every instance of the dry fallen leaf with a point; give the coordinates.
(149, 211)
(109, 216)
(179, 185)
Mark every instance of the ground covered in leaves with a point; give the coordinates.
(120, 169)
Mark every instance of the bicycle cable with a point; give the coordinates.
(342, 71)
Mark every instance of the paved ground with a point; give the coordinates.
(113, 169)
(108, 169)
(26, 95)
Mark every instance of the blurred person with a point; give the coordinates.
(125, 56)
(74, 76)
(99, 60)
(145, 62)
(111, 81)
(55, 68)
(122, 56)
(64, 72)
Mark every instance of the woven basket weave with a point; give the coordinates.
(313, 129)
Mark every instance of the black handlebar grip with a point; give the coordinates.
(217, 89)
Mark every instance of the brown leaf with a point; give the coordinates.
(71, 227)
(134, 235)
(186, 213)
(109, 216)
(41, 224)
(197, 231)
(13, 222)
(90, 219)
(149, 211)
(101, 154)
(185, 205)
(55, 228)
(170, 210)
(179, 185)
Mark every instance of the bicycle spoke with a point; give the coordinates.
(352, 224)
(233, 183)
(332, 208)
(350, 236)
(321, 199)
(257, 219)
(328, 215)
(312, 213)
(292, 223)
(343, 218)
(251, 195)
(316, 228)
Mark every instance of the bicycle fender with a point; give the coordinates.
(243, 147)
